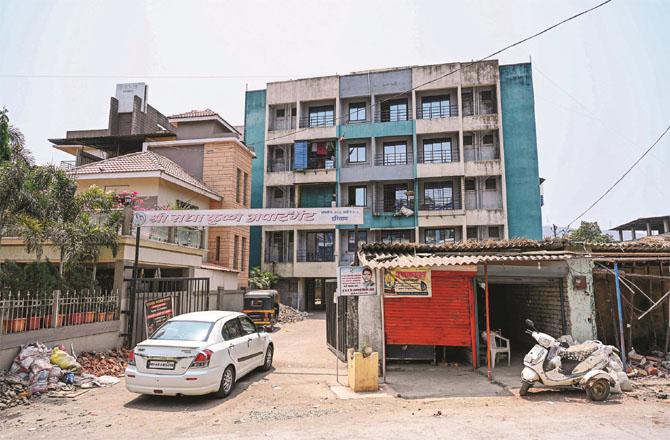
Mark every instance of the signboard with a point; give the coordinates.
(156, 312)
(355, 281)
(250, 217)
(407, 282)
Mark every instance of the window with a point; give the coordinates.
(294, 111)
(437, 150)
(487, 139)
(395, 197)
(470, 185)
(244, 189)
(236, 252)
(472, 233)
(280, 113)
(491, 183)
(440, 236)
(278, 193)
(487, 103)
(238, 183)
(468, 107)
(185, 205)
(435, 107)
(351, 239)
(319, 246)
(323, 116)
(357, 153)
(394, 110)
(396, 236)
(248, 327)
(244, 253)
(218, 249)
(438, 196)
(467, 140)
(395, 153)
(183, 331)
(357, 196)
(231, 330)
(357, 112)
(494, 232)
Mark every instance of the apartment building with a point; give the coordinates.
(434, 154)
(192, 160)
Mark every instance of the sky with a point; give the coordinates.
(600, 81)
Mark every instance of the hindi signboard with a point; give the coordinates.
(355, 281)
(407, 282)
(156, 312)
(250, 217)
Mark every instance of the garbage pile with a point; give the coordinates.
(289, 315)
(38, 370)
(655, 364)
(108, 363)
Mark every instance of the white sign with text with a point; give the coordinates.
(355, 281)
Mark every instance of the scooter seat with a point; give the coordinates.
(577, 352)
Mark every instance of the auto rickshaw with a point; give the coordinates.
(262, 306)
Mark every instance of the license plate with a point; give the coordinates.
(161, 365)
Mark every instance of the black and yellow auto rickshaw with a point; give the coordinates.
(262, 306)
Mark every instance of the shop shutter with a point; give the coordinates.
(300, 155)
(442, 319)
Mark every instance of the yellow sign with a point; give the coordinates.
(407, 282)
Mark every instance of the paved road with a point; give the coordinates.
(295, 401)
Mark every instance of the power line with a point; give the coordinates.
(620, 178)
(463, 66)
(149, 76)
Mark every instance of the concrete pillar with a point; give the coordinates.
(632, 232)
(581, 311)
(370, 318)
(620, 235)
(648, 228)
(666, 226)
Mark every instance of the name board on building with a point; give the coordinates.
(355, 281)
(250, 217)
(157, 312)
(407, 282)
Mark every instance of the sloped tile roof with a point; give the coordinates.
(142, 162)
(195, 114)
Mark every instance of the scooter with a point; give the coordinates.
(590, 366)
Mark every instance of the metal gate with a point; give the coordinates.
(189, 295)
(344, 333)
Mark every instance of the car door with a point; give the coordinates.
(238, 348)
(254, 342)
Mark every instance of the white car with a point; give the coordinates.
(198, 353)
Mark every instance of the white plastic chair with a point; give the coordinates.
(499, 345)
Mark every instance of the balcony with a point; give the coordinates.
(323, 255)
(68, 165)
(393, 114)
(440, 203)
(445, 111)
(285, 123)
(317, 121)
(392, 159)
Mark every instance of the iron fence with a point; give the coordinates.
(23, 311)
(392, 205)
(439, 156)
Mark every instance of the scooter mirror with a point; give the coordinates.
(530, 323)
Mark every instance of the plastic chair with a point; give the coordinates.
(499, 345)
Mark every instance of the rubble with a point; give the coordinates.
(108, 363)
(649, 374)
(288, 315)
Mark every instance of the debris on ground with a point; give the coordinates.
(649, 375)
(107, 363)
(289, 315)
(38, 370)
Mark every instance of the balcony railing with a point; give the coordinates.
(391, 115)
(277, 166)
(68, 165)
(390, 159)
(318, 256)
(446, 111)
(439, 204)
(394, 205)
(283, 123)
(315, 121)
(320, 163)
(443, 156)
(276, 255)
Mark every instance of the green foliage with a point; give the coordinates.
(589, 232)
(262, 279)
(5, 149)
(42, 276)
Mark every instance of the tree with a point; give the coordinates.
(5, 149)
(589, 231)
(262, 279)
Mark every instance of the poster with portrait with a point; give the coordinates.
(407, 282)
(355, 281)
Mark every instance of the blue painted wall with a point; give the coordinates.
(254, 136)
(521, 165)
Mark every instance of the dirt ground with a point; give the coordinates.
(295, 400)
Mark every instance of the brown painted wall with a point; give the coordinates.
(221, 162)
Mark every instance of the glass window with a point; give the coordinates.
(472, 233)
(395, 153)
(435, 107)
(357, 196)
(467, 139)
(319, 246)
(396, 236)
(438, 195)
(231, 330)
(351, 240)
(357, 153)
(486, 102)
(491, 183)
(468, 107)
(437, 150)
(487, 139)
(394, 110)
(323, 116)
(470, 185)
(183, 331)
(280, 113)
(494, 232)
(248, 327)
(395, 197)
(357, 111)
(440, 236)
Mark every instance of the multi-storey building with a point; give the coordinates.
(434, 154)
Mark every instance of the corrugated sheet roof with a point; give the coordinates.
(142, 162)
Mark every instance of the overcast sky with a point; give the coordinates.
(601, 81)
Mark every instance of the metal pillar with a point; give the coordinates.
(622, 343)
(488, 323)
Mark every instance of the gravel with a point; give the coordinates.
(288, 314)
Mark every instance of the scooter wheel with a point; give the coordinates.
(599, 390)
(525, 386)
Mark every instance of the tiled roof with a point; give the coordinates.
(142, 162)
(195, 114)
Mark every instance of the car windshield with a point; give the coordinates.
(183, 331)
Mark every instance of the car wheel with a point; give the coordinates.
(525, 386)
(227, 382)
(267, 365)
(599, 390)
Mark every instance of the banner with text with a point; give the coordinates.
(355, 281)
(250, 217)
(157, 312)
(407, 282)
